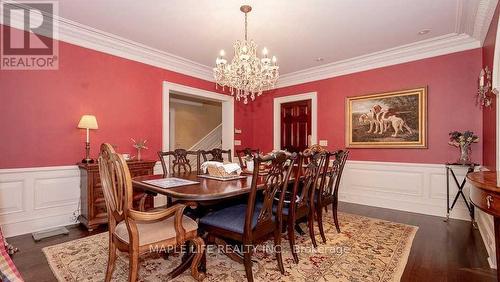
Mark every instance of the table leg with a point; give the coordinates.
(447, 194)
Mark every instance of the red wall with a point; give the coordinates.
(451, 81)
(489, 114)
(39, 110)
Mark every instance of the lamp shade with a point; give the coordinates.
(88, 122)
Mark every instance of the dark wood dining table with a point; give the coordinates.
(207, 190)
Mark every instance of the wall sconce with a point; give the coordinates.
(485, 93)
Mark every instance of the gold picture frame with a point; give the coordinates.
(395, 119)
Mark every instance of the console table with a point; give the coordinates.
(93, 207)
(485, 195)
(449, 169)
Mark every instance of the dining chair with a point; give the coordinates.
(328, 193)
(180, 163)
(136, 232)
(247, 152)
(216, 155)
(299, 203)
(247, 223)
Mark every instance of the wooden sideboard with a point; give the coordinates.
(93, 207)
(485, 195)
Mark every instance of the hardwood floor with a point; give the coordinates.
(441, 251)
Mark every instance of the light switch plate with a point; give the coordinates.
(237, 142)
(323, 142)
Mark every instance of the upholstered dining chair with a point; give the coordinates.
(216, 154)
(328, 193)
(241, 154)
(247, 223)
(134, 231)
(180, 163)
(306, 179)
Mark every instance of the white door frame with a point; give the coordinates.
(495, 84)
(227, 112)
(292, 98)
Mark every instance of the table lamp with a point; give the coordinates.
(87, 122)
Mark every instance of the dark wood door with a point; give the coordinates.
(295, 125)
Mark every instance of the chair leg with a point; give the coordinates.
(291, 240)
(111, 260)
(310, 222)
(319, 214)
(133, 265)
(247, 261)
(277, 247)
(335, 218)
(200, 252)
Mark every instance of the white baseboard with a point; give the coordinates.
(419, 188)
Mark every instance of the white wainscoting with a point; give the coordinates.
(419, 188)
(33, 199)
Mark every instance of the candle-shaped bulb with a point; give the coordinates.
(274, 59)
(222, 53)
(264, 52)
(481, 79)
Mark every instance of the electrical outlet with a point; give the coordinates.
(323, 143)
(237, 142)
(237, 131)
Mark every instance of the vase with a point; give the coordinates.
(139, 158)
(465, 152)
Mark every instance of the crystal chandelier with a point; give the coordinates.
(247, 74)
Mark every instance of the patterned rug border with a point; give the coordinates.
(398, 269)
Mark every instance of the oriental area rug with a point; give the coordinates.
(367, 249)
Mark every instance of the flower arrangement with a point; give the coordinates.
(139, 145)
(463, 140)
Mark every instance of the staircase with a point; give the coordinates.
(212, 140)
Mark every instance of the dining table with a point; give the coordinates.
(206, 190)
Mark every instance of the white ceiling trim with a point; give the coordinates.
(471, 19)
(95, 39)
(437, 46)
(483, 17)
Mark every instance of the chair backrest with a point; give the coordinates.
(216, 155)
(116, 184)
(330, 180)
(247, 152)
(273, 182)
(180, 163)
(309, 168)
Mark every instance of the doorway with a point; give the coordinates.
(311, 137)
(295, 125)
(226, 101)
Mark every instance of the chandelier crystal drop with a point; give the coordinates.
(247, 74)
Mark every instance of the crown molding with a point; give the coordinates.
(471, 18)
(482, 19)
(436, 46)
(95, 39)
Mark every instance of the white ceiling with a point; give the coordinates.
(297, 31)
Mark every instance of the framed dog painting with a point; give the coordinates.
(387, 120)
